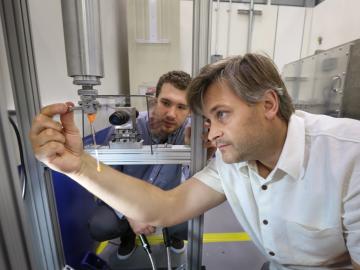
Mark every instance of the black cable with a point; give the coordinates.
(166, 237)
(144, 242)
(18, 138)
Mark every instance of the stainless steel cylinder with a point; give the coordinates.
(82, 31)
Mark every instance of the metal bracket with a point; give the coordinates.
(247, 12)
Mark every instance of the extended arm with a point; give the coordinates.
(144, 202)
(59, 146)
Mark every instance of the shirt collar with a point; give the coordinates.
(291, 159)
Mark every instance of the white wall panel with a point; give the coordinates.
(336, 22)
(289, 35)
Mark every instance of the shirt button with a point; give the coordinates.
(265, 222)
(264, 187)
(271, 253)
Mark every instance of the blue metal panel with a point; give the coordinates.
(74, 206)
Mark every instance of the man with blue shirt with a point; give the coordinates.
(165, 123)
(291, 178)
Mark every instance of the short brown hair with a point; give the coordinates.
(248, 76)
(178, 79)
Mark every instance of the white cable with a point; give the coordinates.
(168, 258)
(151, 260)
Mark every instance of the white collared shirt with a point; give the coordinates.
(306, 213)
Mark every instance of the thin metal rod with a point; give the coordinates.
(276, 28)
(151, 137)
(228, 27)
(250, 26)
(217, 10)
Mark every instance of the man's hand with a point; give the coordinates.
(58, 145)
(141, 228)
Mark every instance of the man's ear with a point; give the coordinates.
(271, 104)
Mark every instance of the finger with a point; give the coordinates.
(42, 122)
(67, 120)
(148, 231)
(49, 151)
(49, 135)
(54, 109)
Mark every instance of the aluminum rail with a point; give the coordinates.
(175, 154)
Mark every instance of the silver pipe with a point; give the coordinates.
(276, 28)
(81, 21)
(228, 28)
(250, 26)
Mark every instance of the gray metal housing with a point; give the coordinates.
(327, 82)
(82, 31)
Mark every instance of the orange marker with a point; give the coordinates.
(91, 117)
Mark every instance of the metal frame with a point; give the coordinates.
(176, 154)
(15, 252)
(43, 238)
(201, 56)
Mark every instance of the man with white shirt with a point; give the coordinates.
(291, 178)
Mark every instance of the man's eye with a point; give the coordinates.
(221, 115)
(182, 107)
(166, 103)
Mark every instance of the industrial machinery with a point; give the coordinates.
(125, 133)
(81, 21)
(327, 82)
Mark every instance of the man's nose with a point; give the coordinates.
(171, 112)
(214, 133)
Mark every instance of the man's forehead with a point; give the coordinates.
(174, 95)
